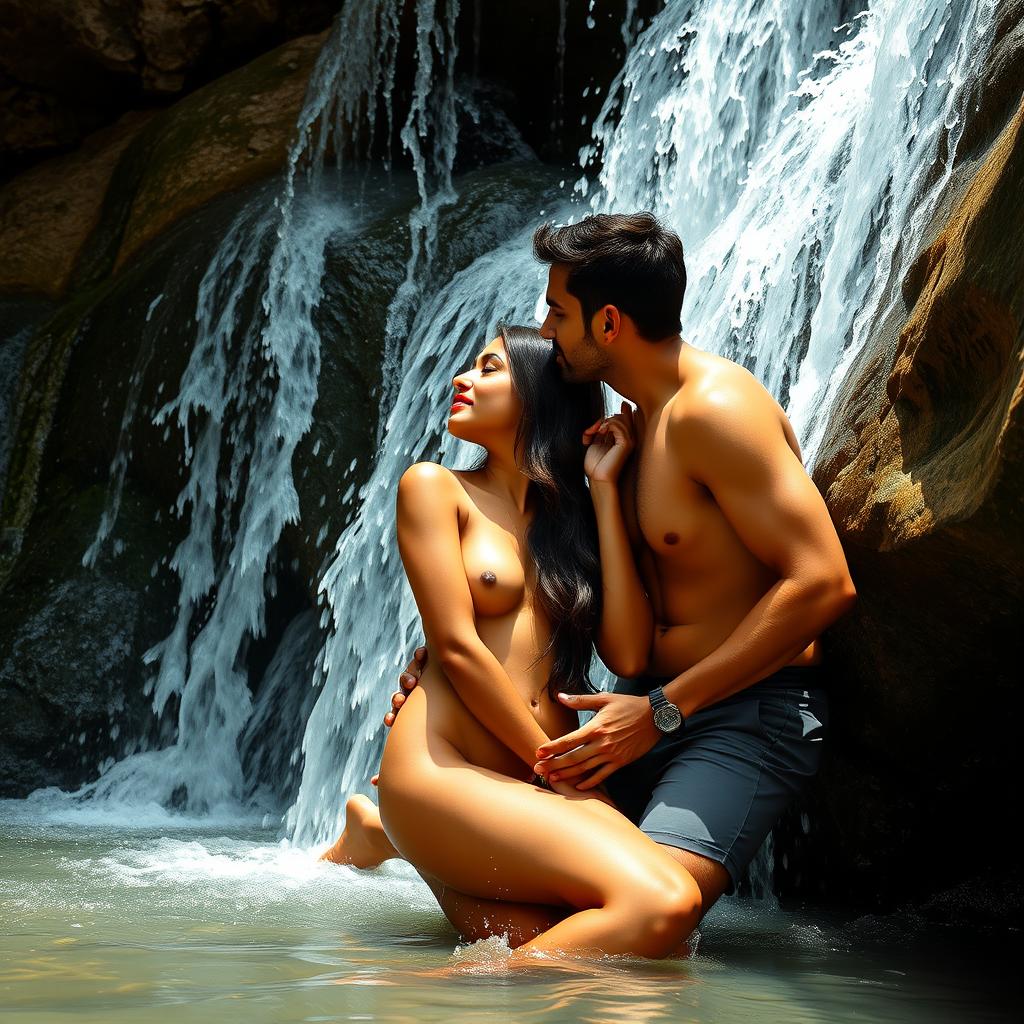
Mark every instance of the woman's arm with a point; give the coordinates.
(627, 621)
(429, 497)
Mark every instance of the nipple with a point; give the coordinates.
(671, 538)
(488, 577)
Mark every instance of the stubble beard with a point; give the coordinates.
(591, 365)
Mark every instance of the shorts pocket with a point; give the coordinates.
(774, 714)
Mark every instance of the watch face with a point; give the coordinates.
(667, 718)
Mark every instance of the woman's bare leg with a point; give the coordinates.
(495, 838)
(363, 843)
(476, 918)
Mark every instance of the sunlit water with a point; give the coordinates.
(195, 920)
(799, 162)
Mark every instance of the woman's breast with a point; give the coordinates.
(496, 578)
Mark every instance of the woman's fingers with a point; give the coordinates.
(397, 700)
(568, 759)
(597, 778)
(575, 771)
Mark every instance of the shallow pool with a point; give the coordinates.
(174, 920)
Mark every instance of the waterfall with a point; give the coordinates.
(795, 156)
(800, 167)
(246, 399)
(431, 115)
(800, 161)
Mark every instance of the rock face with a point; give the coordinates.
(145, 172)
(68, 68)
(923, 471)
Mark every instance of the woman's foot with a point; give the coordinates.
(363, 843)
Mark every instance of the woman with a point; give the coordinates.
(503, 564)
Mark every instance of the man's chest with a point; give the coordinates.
(674, 513)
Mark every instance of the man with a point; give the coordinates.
(736, 550)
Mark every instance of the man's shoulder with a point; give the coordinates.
(719, 393)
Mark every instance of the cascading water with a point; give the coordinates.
(800, 164)
(777, 145)
(431, 114)
(250, 386)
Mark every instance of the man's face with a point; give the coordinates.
(578, 354)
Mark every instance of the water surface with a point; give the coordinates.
(179, 920)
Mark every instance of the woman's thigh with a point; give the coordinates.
(497, 838)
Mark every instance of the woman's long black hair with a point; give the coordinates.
(562, 536)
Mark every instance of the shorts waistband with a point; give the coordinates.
(797, 677)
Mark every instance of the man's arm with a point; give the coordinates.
(737, 447)
(624, 634)
(732, 441)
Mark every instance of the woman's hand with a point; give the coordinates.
(610, 441)
(568, 790)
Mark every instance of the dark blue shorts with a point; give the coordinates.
(719, 788)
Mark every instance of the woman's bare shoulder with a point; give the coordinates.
(428, 481)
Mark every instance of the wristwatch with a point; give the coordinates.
(667, 717)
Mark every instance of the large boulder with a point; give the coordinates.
(70, 220)
(67, 69)
(922, 471)
(72, 679)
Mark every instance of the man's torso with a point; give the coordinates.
(700, 577)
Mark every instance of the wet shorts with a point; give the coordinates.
(719, 788)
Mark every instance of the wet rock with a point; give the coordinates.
(48, 213)
(229, 134)
(79, 216)
(71, 642)
(67, 69)
(922, 471)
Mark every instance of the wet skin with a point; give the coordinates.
(556, 871)
(734, 544)
(735, 547)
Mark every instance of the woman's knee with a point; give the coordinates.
(664, 908)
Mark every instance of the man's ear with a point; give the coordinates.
(609, 323)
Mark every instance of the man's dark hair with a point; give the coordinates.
(627, 260)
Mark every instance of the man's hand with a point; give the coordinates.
(622, 730)
(407, 681)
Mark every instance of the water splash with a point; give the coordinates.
(800, 164)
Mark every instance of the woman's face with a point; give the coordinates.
(485, 406)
